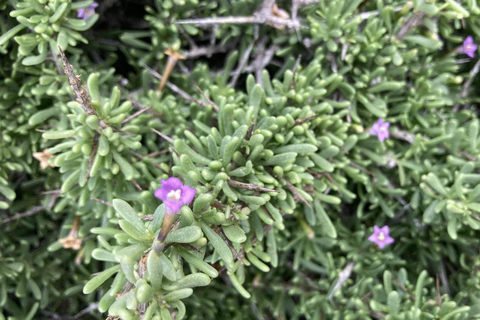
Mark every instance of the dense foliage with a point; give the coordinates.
(303, 127)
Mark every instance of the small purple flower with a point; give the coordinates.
(85, 13)
(469, 47)
(380, 129)
(175, 194)
(380, 236)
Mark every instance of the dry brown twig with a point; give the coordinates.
(296, 193)
(176, 89)
(83, 98)
(165, 137)
(264, 15)
(173, 57)
(214, 106)
(249, 186)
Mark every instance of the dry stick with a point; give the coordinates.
(28, 213)
(214, 106)
(250, 131)
(468, 83)
(102, 201)
(262, 59)
(165, 137)
(366, 15)
(289, 23)
(241, 64)
(136, 114)
(83, 98)
(91, 307)
(224, 237)
(135, 183)
(303, 120)
(173, 56)
(262, 16)
(411, 23)
(176, 89)
(296, 193)
(208, 51)
(249, 186)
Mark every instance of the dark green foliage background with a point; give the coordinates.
(294, 110)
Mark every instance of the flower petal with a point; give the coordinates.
(188, 194)
(174, 206)
(389, 240)
(385, 230)
(376, 229)
(161, 193)
(172, 183)
(373, 238)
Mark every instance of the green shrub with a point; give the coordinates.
(302, 127)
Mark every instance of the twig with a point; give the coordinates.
(214, 106)
(176, 89)
(135, 183)
(250, 131)
(366, 15)
(296, 193)
(208, 51)
(102, 201)
(83, 98)
(343, 276)
(28, 213)
(241, 64)
(173, 57)
(411, 23)
(136, 114)
(249, 186)
(289, 23)
(466, 86)
(303, 120)
(224, 237)
(405, 136)
(91, 307)
(262, 59)
(165, 137)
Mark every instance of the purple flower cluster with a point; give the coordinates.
(85, 13)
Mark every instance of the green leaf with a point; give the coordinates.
(98, 280)
(220, 246)
(129, 214)
(185, 235)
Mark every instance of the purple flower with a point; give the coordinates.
(85, 13)
(380, 236)
(380, 129)
(469, 47)
(175, 194)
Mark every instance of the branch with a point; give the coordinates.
(249, 186)
(165, 137)
(176, 89)
(28, 213)
(83, 98)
